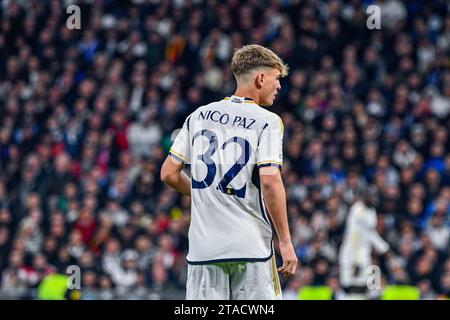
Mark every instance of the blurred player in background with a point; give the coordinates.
(360, 238)
(234, 147)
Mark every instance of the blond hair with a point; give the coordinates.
(254, 56)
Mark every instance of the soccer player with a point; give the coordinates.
(361, 236)
(234, 148)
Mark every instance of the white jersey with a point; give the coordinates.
(361, 234)
(360, 238)
(225, 143)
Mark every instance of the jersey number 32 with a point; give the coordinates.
(211, 165)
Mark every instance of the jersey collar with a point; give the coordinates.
(237, 99)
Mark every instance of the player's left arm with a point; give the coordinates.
(269, 162)
(172, 174)
(275, 199)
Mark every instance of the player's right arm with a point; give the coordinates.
(269, 162)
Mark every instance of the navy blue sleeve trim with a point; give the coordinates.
(176, 157)
(270, 165)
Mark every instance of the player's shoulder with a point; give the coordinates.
(358, 204)
(359, 208)
(272, 119)
(272, 116)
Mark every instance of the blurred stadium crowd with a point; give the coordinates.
(87, 117)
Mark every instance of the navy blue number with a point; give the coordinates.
(206, 159)
(211, 166)
(237, 167)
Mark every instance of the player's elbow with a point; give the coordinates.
(168, 177)
(165, 174)
(269, 190)
(271, 185)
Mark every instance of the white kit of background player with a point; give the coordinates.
(229, 143)
(360, 238)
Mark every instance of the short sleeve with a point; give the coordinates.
(270, 146)
(180, 149)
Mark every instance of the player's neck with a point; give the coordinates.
(245, 93)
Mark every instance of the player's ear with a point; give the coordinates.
(259, 79)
